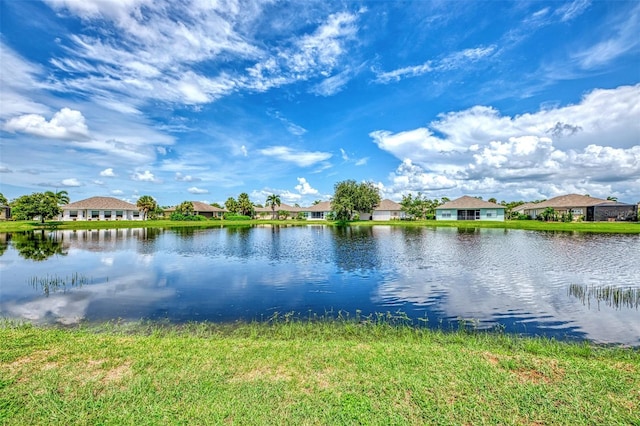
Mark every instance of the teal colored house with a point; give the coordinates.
(470, 208)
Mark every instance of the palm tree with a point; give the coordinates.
(612, 198)
(146, 203)
(273, 200)
(61, 197)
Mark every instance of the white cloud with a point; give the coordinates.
(66, 124)
(344, 154)
(305, 188)
(186, 178)
(5, 169)
(117, 192)
(107, 172)
(17, 86)
(196, 190)
(621, 37)
(71, 182)
(452, 61)
(244, 151)
(146, 176)
(478, 150)
(300, 158)
(361, 162)
(159, 42)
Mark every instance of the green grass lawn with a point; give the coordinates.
(307, 374)
(533, 225)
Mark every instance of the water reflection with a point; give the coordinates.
(614, 297)
(517, 280)
(39, 245)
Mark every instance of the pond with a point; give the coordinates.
(562, 285)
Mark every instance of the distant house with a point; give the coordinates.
(100, 208)
(202, 209)
(318, 211)
(583, 207)
(387, 210)
(470, 208)
(267, 213)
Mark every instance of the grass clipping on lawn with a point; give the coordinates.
(308, 373)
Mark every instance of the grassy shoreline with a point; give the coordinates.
(308, 373)
(531, 225)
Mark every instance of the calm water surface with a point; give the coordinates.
(523, 281)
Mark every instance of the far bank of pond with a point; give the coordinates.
(531, 225)
(575, 286)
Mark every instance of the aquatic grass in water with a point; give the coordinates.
(55, 283)
(616, 297)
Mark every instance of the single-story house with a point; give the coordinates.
(318, 211)
(583, 207)
(100, 208)
(470, 208)
(267, 213)
(386, 210)
(202, 209)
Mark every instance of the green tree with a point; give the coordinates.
(3, 200)
(37, 204)
(273, 200)
(350, 198)
(61, 197)
(146, 203)
(231, 205)
(419, 207)
(245, 206)
(492, 200)
(185, 208)
(612, 198)
(217, 205)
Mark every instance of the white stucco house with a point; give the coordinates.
(100, 208)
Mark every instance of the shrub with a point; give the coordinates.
(234, 216)
(178, 216)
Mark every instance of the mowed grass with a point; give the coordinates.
(307, 374)
(531, 225)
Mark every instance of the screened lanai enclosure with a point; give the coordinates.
(468, 214)
(613, 212)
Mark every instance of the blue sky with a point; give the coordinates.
(202, 100)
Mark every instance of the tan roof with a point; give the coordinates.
(199, 206)
(388, 205)
(100, 203)
(523, 207)
(570, 200)
(282, 206)
(466, 202)
(323, 206)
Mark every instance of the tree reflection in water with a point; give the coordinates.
(38, 245)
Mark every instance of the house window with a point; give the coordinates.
(118, 214)
(95, 214)
(107, 214)
(317, 215)
(577, 211)
(446, 214)
(136, 214)
(491, 213)
(73, 214)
